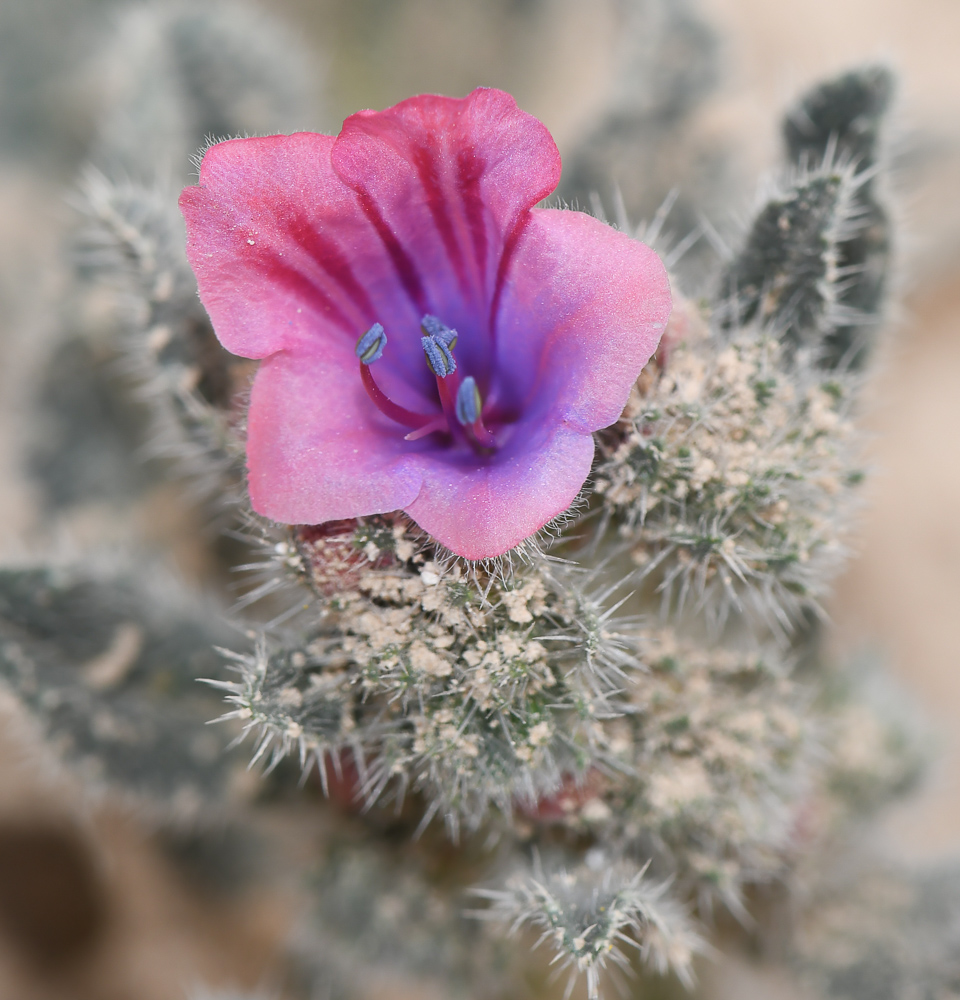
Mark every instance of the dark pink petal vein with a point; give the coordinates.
(431, 341)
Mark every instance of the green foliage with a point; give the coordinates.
(845, 113)
(875, 930)
(471, 685)
(178, 75)
(535, 704)
(722, 747)
(813, 268)
(133, 245)
(728, 479)
(589, 915)
(393, 910)
(647, 152)
(107, 661)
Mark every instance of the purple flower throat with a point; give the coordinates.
(460, 399)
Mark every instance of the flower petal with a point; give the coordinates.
(318, 451)
(286, 260)
(481, 511)
(248, 239)
(301, 243)
(448, 184)
(583, 310)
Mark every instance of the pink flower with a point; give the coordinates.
(430, 341)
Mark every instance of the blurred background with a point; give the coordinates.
(90, 907)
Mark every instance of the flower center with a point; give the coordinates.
(460, 399)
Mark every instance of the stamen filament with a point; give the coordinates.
(388, 407)
(448, 386)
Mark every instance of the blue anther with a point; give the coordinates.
(469, 403)
(370, 346)
(439, 358)
(432, 327)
